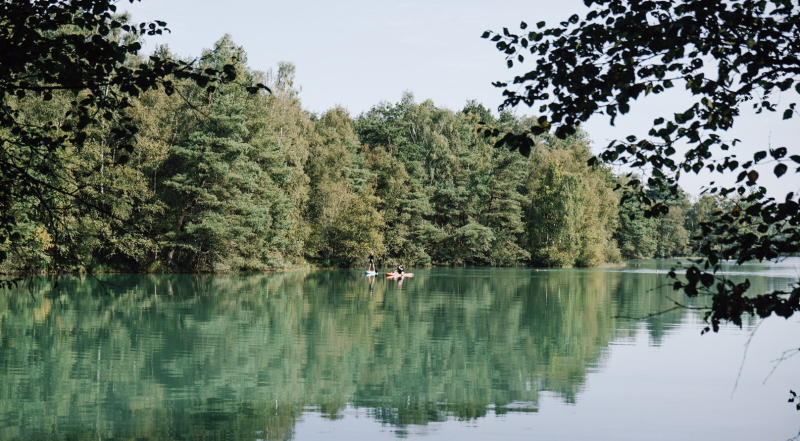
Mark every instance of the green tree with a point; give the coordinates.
(496, 187)
(673, 239)
(705, 211)
(226, 212)
(343, 210)
(572, 215)
(76, 52)
(291, 128)
(724, 54)
(637, 235)
(645, 237)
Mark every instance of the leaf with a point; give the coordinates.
(523, 25)
(795, 158)
(486, 34)
(780, 169)
(540, 24)
(759, 155)
(778, 153)
(525, 150)
(788, 113)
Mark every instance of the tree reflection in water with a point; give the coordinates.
(243, 356)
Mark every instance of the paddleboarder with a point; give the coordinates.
(371, 262)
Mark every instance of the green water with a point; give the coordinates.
(451, 353)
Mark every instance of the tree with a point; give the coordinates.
(573, 211)
(637, 235)
(225, 210)
(78, 52)
(704, 211)
(724, 53)
(661, 237)
(342, 208)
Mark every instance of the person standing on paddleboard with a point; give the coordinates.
(371, 262)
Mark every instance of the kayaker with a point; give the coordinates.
(371, 262)
(400, 269)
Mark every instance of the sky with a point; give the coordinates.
(357, 53)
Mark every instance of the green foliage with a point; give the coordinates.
(345, 223)
(232, 345)
(69, 73)
(225, 209)
(572, 213)
(643, 237)
(726, 54)
(637, 234)
(224, 177)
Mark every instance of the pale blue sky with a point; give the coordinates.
(356, 53)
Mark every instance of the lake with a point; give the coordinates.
(453, 353)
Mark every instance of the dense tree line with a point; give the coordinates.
(223, 179)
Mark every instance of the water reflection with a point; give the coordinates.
(184, 357)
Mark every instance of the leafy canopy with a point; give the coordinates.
(725, 54)
(80, 48)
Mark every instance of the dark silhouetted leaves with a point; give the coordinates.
(621, 52)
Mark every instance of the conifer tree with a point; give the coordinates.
(225, 209)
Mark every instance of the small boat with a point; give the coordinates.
(399, 275)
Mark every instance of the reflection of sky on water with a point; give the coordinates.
(457, 353)
(682, 389)
(788, 267)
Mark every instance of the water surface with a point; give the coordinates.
(450, 354)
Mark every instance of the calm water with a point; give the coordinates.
(449, 354)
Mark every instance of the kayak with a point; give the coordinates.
(400, 275)
(371, 273)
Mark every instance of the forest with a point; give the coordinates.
(222, 179)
